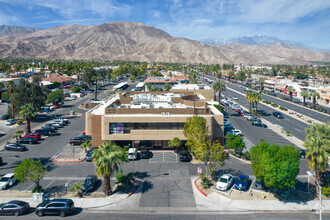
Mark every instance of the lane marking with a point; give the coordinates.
(50, 183)
(29, 187)
(60, 151)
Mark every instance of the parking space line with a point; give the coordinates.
(29, 187)
(50, 183)
(55, 155)
(163, 157)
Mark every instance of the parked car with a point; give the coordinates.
(79, 140)
(90, 183)
(251, 118)
(145, 154)
(56, 124)
(50, 125)
(33, 135)
(302, 153)
(5, 117)
(57, 121)
(224, 182)
(185, 156)
(14, 207)
(7, 180)
(49, 129)
(27, 140)
(259, 184)
(235, 98)
(65, 120)
(0, 160)
(242, 182)
(132, 154)
(61, 207)
(89, 154)
(259, 124)
(235, 132)
(15, 147)
(41, 132)
(278, 114)
(11, 122)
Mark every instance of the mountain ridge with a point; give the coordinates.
(138, 42)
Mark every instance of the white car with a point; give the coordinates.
(235, 132)
(7, 180)
(132, 154)
(225, 181)
(235, 98)
(65, 120)
(57, 121)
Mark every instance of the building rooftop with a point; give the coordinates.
(190, 87)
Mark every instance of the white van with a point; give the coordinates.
(132, 154)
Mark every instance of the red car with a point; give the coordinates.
(56, 106)
(66, 87)
(33, 135)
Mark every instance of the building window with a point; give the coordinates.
(125, 128)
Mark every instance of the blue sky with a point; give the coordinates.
(307, 21)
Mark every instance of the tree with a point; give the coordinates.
(55, 84)
(86, 145)
(235, 142)
(1, 87)
(201, 145)
(107, 159)
(241, 76)
(219, 87)
(256, 99)
(175, 143)
(55, 96)
(290, 89)
(30, 169)
(277, 166)
(75, 89)
(262, 82)
(18, 134)
(314, 94)
(10, 87)
(167, 87)
(231, 75)
(76, 188)
(317, 147)
(27, 112)
(304, 93)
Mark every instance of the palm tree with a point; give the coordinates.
(304, 94)
(317, 154)
(1, 87)
(107, 159)
(10, 87)
(18, 134)
(219, 87)
(262, 81)
(86, 145)
(27, 112)
(314, 94)
(256, 99)
(290, 89)
(249, 97)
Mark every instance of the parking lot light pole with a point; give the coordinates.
(320, 191)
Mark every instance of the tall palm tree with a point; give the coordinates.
(317, 154)
(304, 94)
(1, 87)
(290, 89)
(10, 87)
(314, 94)
(249, 97)
(107, 159)
(262, 82)
(219, 87)
(27, 112)
(256, 99)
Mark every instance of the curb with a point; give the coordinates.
(198, 188)
(248, 162)
(69, 161)
(135, 189)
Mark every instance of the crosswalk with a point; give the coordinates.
(164, 157)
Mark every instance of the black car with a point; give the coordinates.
(5, 117)
(79, 140)
(14, 207)
(15, 147)
(278, 114)
(89, 154)
(42, 132)
(302, 153)
(145, 154)
(49, 129)
(61, 207)
(90, 183)
(260, 184)
(259, 124)
(50, 125)
(0, 160)
(27, 140)
(185, 156)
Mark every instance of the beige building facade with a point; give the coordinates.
(152, 119)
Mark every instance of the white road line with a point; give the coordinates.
(59, 151)
(29, 187)
(228, 162)
(163, 157)
(297, 129)
(50, 183)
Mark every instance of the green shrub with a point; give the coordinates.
(124, 179)
(326, 191)
(274, 105)
(219, 107)
(283, 108)
(206, 183)
(75, 89)
(246, 155)
(37, 189)
(19, 122)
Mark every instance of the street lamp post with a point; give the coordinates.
(320, 191)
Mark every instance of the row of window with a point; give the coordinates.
(125, 128)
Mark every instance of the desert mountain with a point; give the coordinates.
(6, 30)
(139, 42)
